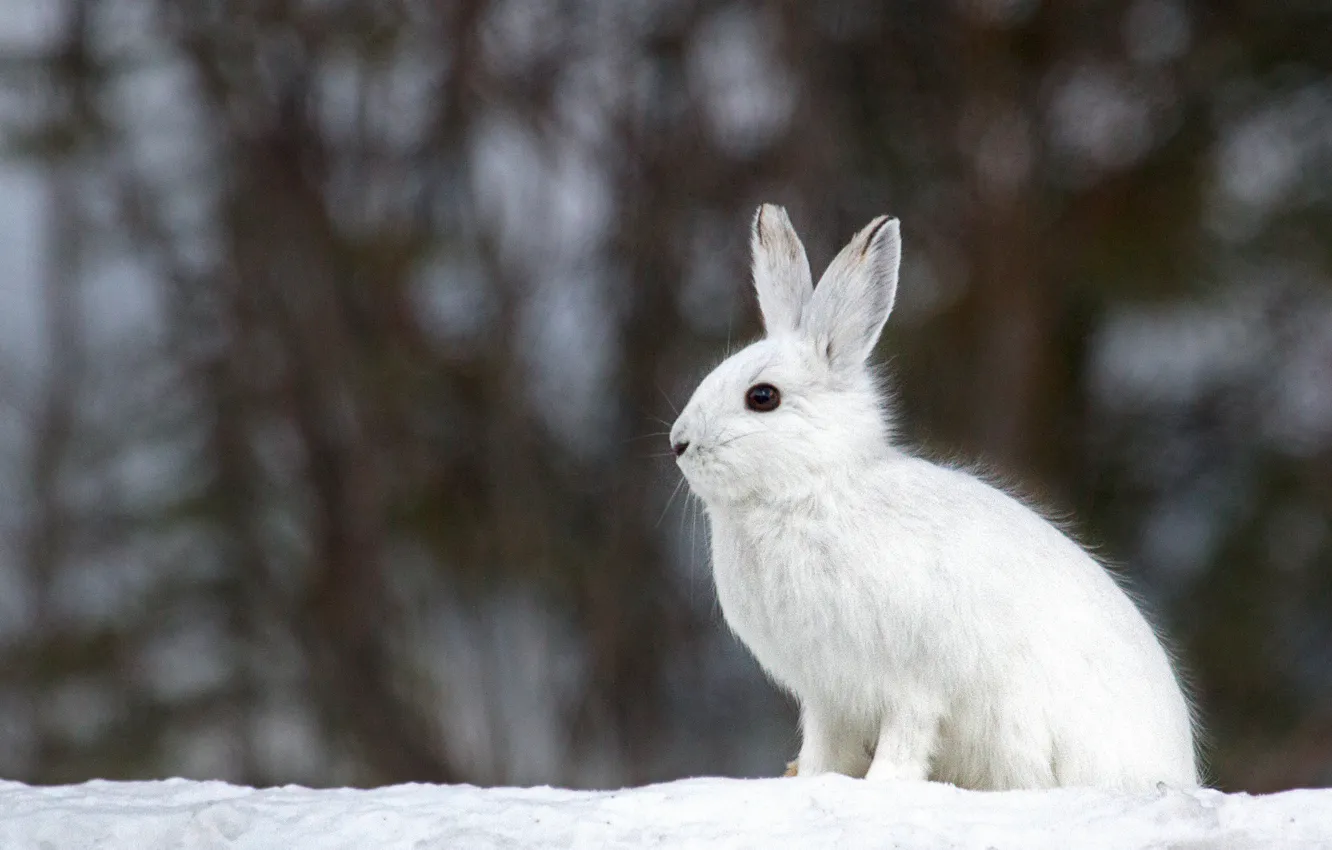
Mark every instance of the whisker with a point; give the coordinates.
(668, 502)
(736, 437)
(714, 609)
(668, 400)
(695, 506)
(648, 436)
(693, 557)
(679, 541)
(662, 421)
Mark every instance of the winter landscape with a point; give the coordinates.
(346, 355)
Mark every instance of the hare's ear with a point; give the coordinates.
(781, 271)
(855, 295)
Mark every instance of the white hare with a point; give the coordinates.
(930, 625)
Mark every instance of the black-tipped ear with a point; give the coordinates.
(855, 295)
(781, 271)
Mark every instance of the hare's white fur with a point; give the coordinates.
(930, 625)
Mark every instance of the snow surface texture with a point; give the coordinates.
(827, 811)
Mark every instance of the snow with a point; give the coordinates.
(830, 811)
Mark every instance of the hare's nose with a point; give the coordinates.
(680, 438)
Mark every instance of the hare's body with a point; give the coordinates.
(930, 625)
(983, 673)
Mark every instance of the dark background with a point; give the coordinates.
(338, 340)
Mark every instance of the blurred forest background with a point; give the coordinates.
(337, 338)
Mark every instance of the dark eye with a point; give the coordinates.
(762, 398)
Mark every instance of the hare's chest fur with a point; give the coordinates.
(788, 589)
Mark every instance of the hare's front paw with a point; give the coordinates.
(792, 768)
(904, 748)
(829, 745)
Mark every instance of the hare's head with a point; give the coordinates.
(800, 405)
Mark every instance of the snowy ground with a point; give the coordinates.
(704, 813)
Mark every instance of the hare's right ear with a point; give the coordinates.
(856, 295)
(781, 271)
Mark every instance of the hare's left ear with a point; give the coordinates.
(781, 271)
(855, 295)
